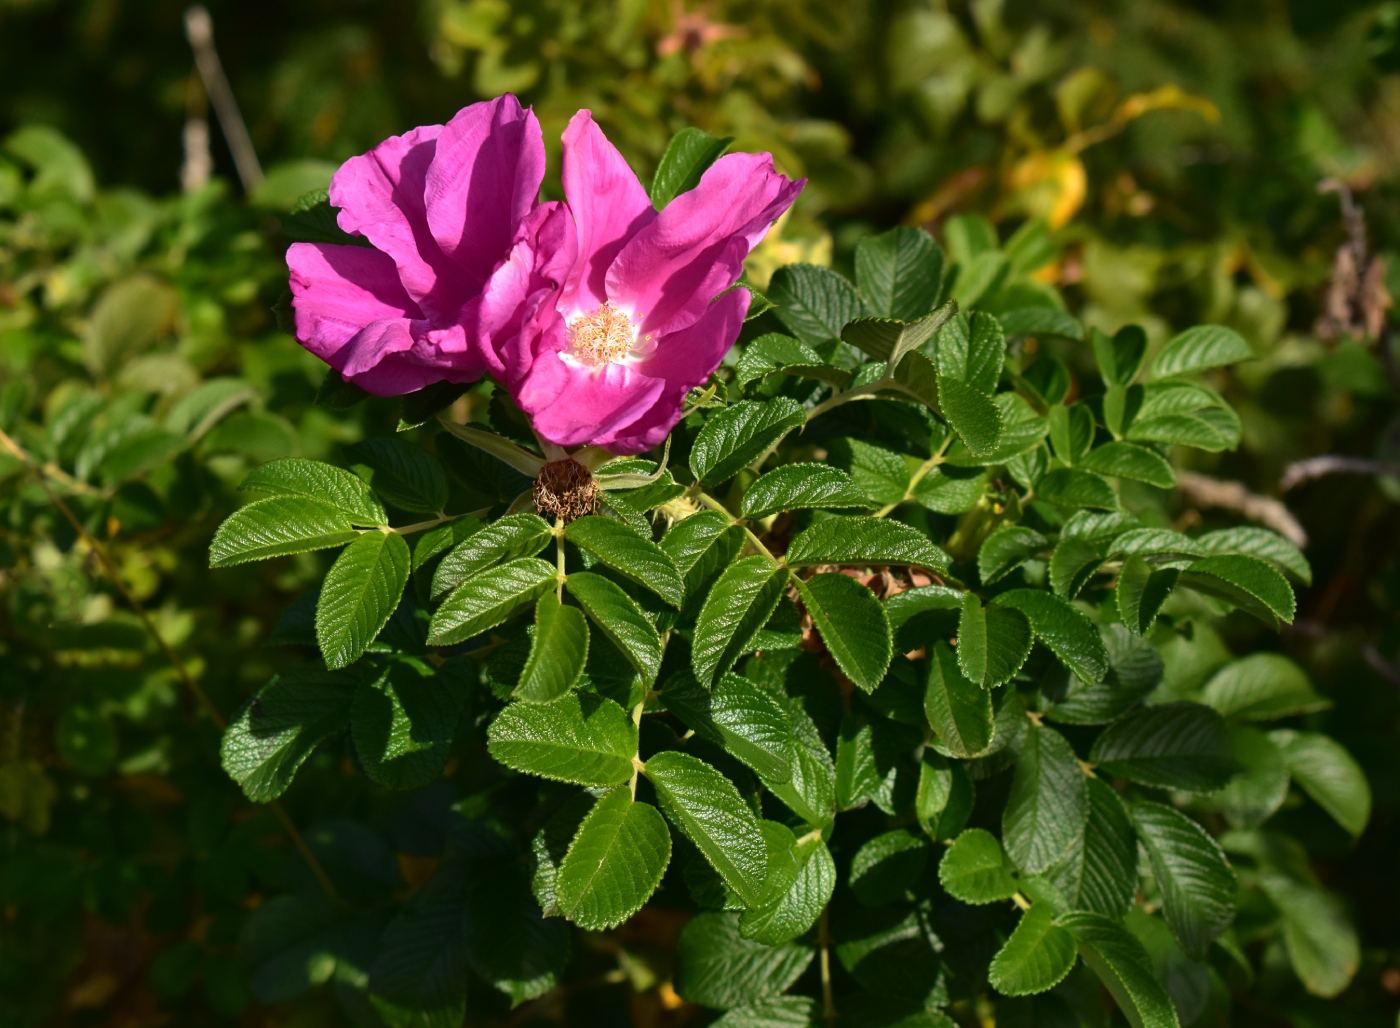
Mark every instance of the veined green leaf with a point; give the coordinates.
(1172, 746)
(815, 303)
(888, 340)
(734, 437)
(1071, 431)
(614, 863)
(852, 624)
(1073, 563)
(899, 273)
(811, 792)
(776, 353)
(278, 526)
(1262, 687)
(718, 967)
(579, 738)
(1247, 582)
(558, 652)
(1006, 549)
(960, 711)
(316, 480)
(403, 724)
(1199, 348)
(972, 640)
(1141, 592)
(1248, 541)
(506, 539)
(361, 590)
(638, 558)
(1124, 967)
(1068, 631)
(738, 715)
(888, 866)
(974, 869)
(687, 155)
(943, 799)
(621, 620)
(1099, 871)
(1128, 460)
(401, 473)
(1036, 957)
(1009, 639)
(972, 414)
(1119, 356)
(1322, 943)
(1049, 803)
(801, 878)
(1329, 774)
(738, 606)
(488, 599)
(864, 541)
(801, 486)
(1075, 487)
(1197, 882)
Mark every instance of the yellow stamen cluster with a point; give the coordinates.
(602, 335)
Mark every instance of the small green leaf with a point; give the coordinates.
(888, 340)
(734, 437)
(278, 526)
(717, 967)
(972, 414)
(1258, 542)
(506, 539)
(1073, 563)
(1321, 940)
(1075, 487)
(488, 599)
(315, 480)
(1247, 582)
(1036, 957)
(1099, 871)
(687, 155)
(815, 303)
(974, 869)
(1040, 321)
(708, 809)
(558, 652)
(972, 640)
(1119, 357)
(852, 624)
(959, 711)
(943, 799)
(738, 606)
(638, 558)
(360, 592)
(401, 473)
(1071, 431)
(1262, 687)
(971, 351)
(1049, 803)
(1006, 549)
(403, 724)
(775, 353)
(1197, 882)
(738, 715)
(1128, 460)
(1141, 592)
(579, 738)
(621, 620)
(614, 863)
(864, 541)
(777, 1012)
(1199, 348)
(1329, 774)
(801, 878)
(811, 792)
(1068, 632)
(1124, 967)
(799, 487)
(1172, 746)
(899, 273)
(887, 867)
(1254, 795)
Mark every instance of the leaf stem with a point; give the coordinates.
(824, 941)
(441, 519)
(924, 468)
(709, 501)
(560, 576)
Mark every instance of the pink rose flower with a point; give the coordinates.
(603, 322)
(442, 205)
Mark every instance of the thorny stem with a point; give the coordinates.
(923, 470)
(824, 941)
(709, 501)
(181, 672)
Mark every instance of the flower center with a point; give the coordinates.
(602, 335)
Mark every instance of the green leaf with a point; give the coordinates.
(737, 435)
(1258, 542)
(880, 473)
(1009, 639)
(1172, 746)
(1141, 592)
(1049, 803)
(401, 473)
(1040, 321)
(889, 340)
(815, 303)
(1196, 881)
(621, 620)
(1075, 487)
(858, 775)
(580, 738)
(488, 599)
(708, 809)
(778, 1012)
(738, 606)
(1124, 967)
(1254, 795)
(1067, 630)
(324, 483)
(959, 711)
(1322, 943)
(775, 353)
(312, 219)
(1262, 687)
(974, 869)
(1154, 542)
(943, 799)
(1119, 357)
(420, 405)
(970, 351)
(899, 273)
(1073, 563)
(864, 541)
(971, 413)
(1329, 774)
(1006, 549)
(887, 867)
(972, 640)
(801, 878)
(718, 967)
(403, 725)
(1036, 957)
(361, 590)
(738, 715)
(292, 715)
(811, 792)
(278, 526)
(799, 487)
(702, 546)
(614, 863)
(1199, 348)
(1099, 872)
(558, 652)
(687, 155)
(508, 453)
(1135, 670)
(638, 558)
(1071, 431)
(506, 539)
(1248, 583)
(852, 624)
(1128, 460)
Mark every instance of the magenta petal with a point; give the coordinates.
(528, 277)
(483, 182)
(381, 197)
(571, 405)
(338, 290)
(695, 248)
(609, 206)
(393, 357)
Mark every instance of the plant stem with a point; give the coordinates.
(923, 470)
(824, 941)
(560, 576)
(709, 501)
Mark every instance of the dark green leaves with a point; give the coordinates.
(853, 626)
(324, 483)
(737, 607)
(489, 598)
(1247, 582)
(624, 550)
(687, 155)
(508, 538)
(1329, 774)
(899, 273)
(584, 739)
(1049, 802)
(708, 809)
(1036, 957)
(888, 866)
(278, 526)
(1006, 549)
(974, 869)
(1197, 883)
(402, 473)
(1199, 348)
(1068, 632)
(799, 486)
(889, 340)
(1124, 968)
(621, 620)
(361, 590)
(959, 711)
(864, 541)
(815, 303)
(1172, 746)
(740, 716)
(737, 435)
(720, 968)
(1261, 687)
(558, 652)
(403, 724)
(801, 878)
(1141, 592)
(614, 863)
(1099, 871)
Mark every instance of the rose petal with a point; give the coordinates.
(571, 404)
(529, 276)
(338, 290)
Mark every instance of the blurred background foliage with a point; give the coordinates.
(1174, 148)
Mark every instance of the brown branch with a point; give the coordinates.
(1301, 471)
(1204, 491)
